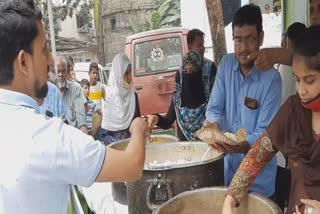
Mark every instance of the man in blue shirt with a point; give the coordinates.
(245, 97)
(53, 106)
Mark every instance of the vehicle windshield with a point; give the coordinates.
(157, 56)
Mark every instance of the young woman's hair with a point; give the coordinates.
(308, 46)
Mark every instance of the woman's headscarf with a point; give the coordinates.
(120, 102)
(192, 94)
(190, 102)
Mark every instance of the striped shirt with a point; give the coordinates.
(74, 99)
(96, 94)
(92, 108)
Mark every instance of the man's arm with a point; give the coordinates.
(76, 158)
(265, 58)
(126, 165)
(216, 105)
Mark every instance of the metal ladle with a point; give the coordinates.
(205, 154)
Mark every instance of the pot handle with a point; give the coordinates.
(151, 205)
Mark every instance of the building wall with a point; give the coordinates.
(69, 29)
(122, 11)
(262, 4)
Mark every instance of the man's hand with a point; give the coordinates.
(312, 207)
(242, 147)
(152, 120)
(139, 126)
(228, 204)
(207, 124)
(264, 59)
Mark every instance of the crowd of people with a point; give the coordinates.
(55, 128)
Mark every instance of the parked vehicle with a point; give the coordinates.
(156, 56)
(81, 70)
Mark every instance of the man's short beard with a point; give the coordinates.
(41, 92)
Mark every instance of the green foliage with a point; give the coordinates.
(167, 15)
(155, 20)
(136, 26)
(68, 8)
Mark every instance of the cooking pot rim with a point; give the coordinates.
(174, 139)
(254, 195)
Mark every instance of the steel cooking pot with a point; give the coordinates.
(119, 189)
(171, 169)
(210, 200)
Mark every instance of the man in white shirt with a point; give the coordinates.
(39, 157)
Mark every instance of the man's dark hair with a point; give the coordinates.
(18, 29)
(295, 30)
(308, 46)
(84, 82)
(93, 65)
(248, 15)
(193, 34)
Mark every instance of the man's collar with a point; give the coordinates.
(68, 84)
(253, 73)
(14, 98)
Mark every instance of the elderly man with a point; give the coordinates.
(53, 105)
(73, 97)
(40, 158)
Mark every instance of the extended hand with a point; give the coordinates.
(140, 126)
(241, 147)
(312, 207)
(152, 120)
(265, 58)
(228, 204)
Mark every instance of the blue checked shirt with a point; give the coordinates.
(227, 107)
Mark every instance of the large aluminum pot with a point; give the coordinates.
(210, 200)
(171, 169)
(119, 189)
